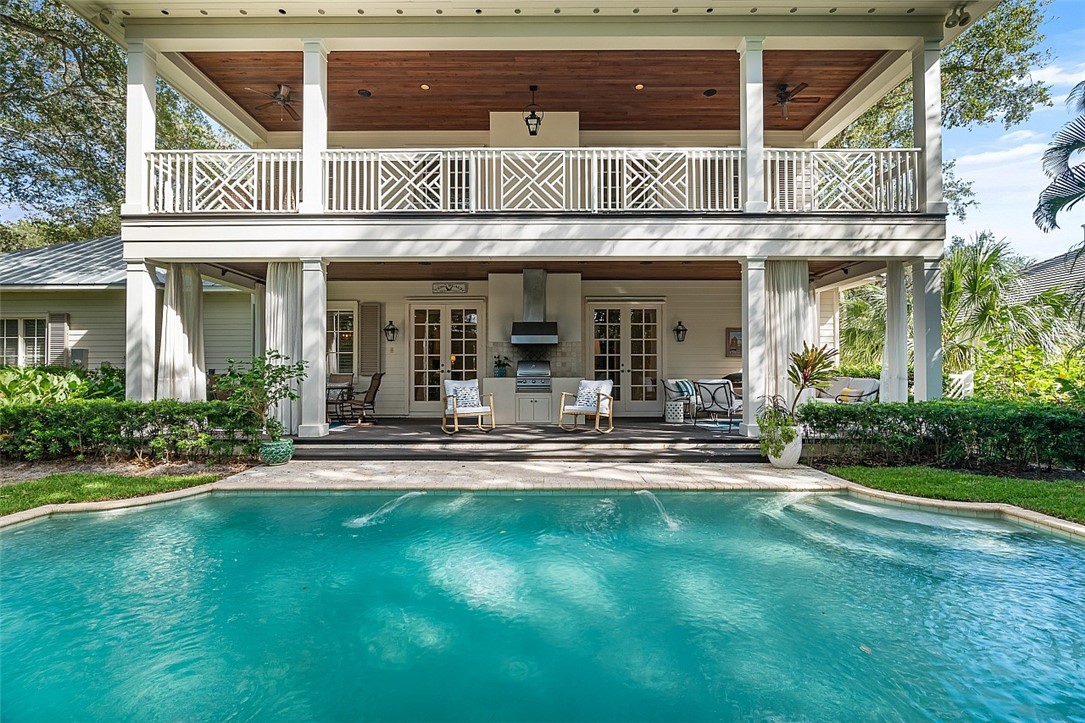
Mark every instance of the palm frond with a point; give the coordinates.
(1062, 194)
(1076, 99)
(1067, 141)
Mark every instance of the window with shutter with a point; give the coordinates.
(57, 344)
(370, 336)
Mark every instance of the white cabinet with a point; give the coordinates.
(533, 408)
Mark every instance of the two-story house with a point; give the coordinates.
(416, 166)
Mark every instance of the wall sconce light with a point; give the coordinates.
(680, 332)
(391, 331)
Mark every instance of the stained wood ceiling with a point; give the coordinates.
(703, 270)
(466, 86)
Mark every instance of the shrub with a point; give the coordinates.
(50, 385)
(165, 430)
(972, 434)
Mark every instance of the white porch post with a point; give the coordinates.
(753, 342)
(139, 333)
(895, 356)
(927, 123)
(314, 347)
(752, 121)
(314, 133)
(140, 128)
(927, 328)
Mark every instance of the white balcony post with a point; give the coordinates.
(753, 342)
(927, 123)
(140, 127)
(314, 347)
(139, 330)
(895, 355)
(314, 127)
(927, 328)
(752, 121)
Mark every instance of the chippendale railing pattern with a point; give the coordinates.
(589, 180)
(224, 181)
(842, 180)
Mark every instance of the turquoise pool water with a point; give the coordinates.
(538, 608)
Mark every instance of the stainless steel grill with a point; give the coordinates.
(533, 376)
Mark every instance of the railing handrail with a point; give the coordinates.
(565, 149)
(225, 151)
(771, 149)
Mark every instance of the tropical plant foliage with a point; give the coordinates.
(259, 385)
(45, 385)
(1067, 187)
(62, 124)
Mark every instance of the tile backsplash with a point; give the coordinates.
(566, 358)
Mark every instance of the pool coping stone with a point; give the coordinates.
(300, 477)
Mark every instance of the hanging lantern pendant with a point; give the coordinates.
(533, 114)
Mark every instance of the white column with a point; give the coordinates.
(927, 328)
(259, 328)
(895, 355)
(314, 346)
(140, 125)
(752, 121)
(140, 330)
(314, 133)
(753, 342)
(927, 123)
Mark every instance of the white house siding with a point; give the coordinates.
(227, 327)
(829, 318)
(97, 321)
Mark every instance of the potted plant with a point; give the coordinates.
(501, 364)
(257, 387)
(780, 435)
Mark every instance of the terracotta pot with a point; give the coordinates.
(789, 458)
(276, 451)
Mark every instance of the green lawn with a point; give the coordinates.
(1063, 499)
(60, 488)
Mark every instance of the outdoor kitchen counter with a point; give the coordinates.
(504, 391)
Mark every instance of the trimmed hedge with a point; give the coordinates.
(970, 434)
(165, 430)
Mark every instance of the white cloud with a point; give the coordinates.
(997, 161)
(1019, 136)
(1060, 76)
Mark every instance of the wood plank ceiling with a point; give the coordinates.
(466, 86)
(704, 270)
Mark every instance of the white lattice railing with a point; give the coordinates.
(842, 180)
(224, 181)
(533, 180)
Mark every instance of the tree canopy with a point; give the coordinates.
(986, 78)
(62, 124)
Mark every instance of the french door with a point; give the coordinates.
(446, 342)
(625, 348)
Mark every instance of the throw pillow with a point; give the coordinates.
(686, 387)
(467, 396)
(587, 395)
(847, 394)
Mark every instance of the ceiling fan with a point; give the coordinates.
(281, 97)
(785, 97)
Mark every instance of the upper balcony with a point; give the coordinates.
(572, 180)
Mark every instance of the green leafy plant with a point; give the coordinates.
(811, 368)
(261, 384)
(776, 425)
(501, 362)
(50, 385)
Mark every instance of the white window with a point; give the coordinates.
(22, 342)
(341, 339)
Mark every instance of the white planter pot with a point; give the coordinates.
(789, 458)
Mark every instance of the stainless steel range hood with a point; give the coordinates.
(534, 329)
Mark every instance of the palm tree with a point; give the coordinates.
(1067, 187)
(862, 325)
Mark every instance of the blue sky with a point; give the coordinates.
(1004, 164)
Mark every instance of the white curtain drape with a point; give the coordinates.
(788, 320)
(181, 371)
(282, 326)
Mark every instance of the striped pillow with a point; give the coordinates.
(685, 387)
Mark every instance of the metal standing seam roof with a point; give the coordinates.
(94, 262)
(1066, 271)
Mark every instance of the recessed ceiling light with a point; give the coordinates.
(361, 12)
(282, 11)
(638, 86)
(557, 11)
(674, 10)
(710, 92)
(708, 10)
(595, 11)
(165, 12)
(440, 11)
(243, 11)
(399, 11)
(832, 10)
(636, 10)
(753, 10)
(910, 10)
(871, 10)
(203, 12)
(794, 10)
(478, 11)
(517, 11)
(424, 86)
(365, 92)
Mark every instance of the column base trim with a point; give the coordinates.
(752, 430)
(313, 430)
(756, 207)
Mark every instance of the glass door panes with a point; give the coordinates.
(445, 344)
(9, 342)
(644, 354)
(341, 338)
(626, 349)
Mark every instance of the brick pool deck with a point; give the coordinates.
(552, 477)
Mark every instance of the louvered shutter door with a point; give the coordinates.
(369, 338)
(56, 340)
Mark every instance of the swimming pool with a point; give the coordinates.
(539, 607)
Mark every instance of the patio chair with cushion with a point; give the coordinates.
(849, 390)
(364, 410)
(682, 391)
(592, 399)
(715, 398)
(462, 399)
(339, 390)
